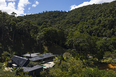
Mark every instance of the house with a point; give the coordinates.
(20, 61)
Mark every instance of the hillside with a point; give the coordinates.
(94, 17)
(76, 35)
(89, 29)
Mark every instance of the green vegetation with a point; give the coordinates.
(13, 73)
(82, 32)
(75, 68)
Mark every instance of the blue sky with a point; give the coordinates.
(51, 5)
(23, 7)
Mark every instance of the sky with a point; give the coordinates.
(25, 7)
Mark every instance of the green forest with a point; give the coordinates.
(74, 35)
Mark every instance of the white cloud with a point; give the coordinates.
(36, 3)
(89, 3)
(11, 0)
(21, 5)
(29, 8)
(10, 7)
(7, 8)
(2, 3)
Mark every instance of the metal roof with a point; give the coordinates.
(19, 60)
(43, 56)
(32, 54)
(28, 69)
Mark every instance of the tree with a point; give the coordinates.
(50, 36)
(102, 47)
(12, 29)
(13, 14)
(69, 68)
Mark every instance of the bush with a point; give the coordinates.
(1, 65)
(95, 72)
(19, 71)
(107, 53)
(43, 73)
(114, 55)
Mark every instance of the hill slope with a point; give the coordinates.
(89, 29)
(92, 17)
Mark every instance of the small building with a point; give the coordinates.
(34, 71)
(20, 61)
(44, 57)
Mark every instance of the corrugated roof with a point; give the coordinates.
(19, 60)
(43, 56)
(32, 54)
(28, 69)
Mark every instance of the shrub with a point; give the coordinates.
(1, 65)
(95, 72)
(19, 71)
